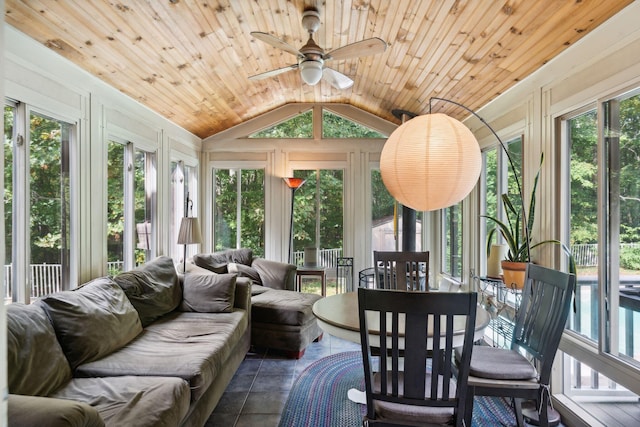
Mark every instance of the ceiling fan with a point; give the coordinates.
(312, 58)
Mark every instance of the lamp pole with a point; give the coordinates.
(408, 214)
(293, 184)
(511, 164)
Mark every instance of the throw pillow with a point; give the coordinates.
(153, 288)
(92, 321)
(36, 364)
(217, 261)
(208, 293)
(245, 271)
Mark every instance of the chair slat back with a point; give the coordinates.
(542, 316)
(403, 270)
(407, 319)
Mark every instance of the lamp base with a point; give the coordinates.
(530, 414)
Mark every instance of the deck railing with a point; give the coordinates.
(45, 278)
(327, 258)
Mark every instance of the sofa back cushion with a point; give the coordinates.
(217, 261)
(153, 288)
(92, 320)
(209, 293)
(36, 363)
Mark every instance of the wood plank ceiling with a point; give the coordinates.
(189, 59)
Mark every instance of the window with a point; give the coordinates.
(498, 177)
(9, 137)
(452, 241)
(583, 141)
(336, 126)
(300, 126)
(37, 221)
(318, 215)
(603, 229)
(184, 183)
(131, 204)
(239, 209)
(386, 219)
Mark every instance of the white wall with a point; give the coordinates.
(3, 310)
(279, 157)
(40, 77)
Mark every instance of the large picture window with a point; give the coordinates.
(239, 209)
(38, 221)
(131, 205)
(501, 173)
(184, 184)
(318, 215)
(604, 225)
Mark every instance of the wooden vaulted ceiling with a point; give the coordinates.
(189, 59)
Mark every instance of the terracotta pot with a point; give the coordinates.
(513, 274)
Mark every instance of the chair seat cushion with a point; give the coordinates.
(500, 364)
(413, 415)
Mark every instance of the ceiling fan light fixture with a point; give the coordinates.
(311, 71)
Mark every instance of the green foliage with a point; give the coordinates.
(319, 202)
(252, 212)
(381, 201)
(335, 126)
(517, 229)
(630, 258)
(300, 126)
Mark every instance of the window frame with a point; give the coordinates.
(21, 203)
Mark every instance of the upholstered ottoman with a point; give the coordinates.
(283, 320)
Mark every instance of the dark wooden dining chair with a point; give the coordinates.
(523, 370)
(390, 266)
(408, 388)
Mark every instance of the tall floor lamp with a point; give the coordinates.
(189, 231)
(293, 184)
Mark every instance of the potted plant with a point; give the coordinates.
(516, 230)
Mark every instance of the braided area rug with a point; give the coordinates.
(318, 398)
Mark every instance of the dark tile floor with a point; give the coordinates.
(258, 391)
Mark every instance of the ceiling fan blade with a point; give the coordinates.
(276, 42)
(371, 46)
(336, 79)
(272, 73)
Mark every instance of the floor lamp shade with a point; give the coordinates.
(188, 234)
(430, 162)
(189, 231)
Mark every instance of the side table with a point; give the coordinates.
(312, 271)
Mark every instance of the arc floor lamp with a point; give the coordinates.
(293, 184)
(189, 231)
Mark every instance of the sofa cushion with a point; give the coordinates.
(275, 274)
(258, 289)
(153, 288)
(192, 346)
(283, 307)
(132, 401)
(208, 293)
(92, 320)
(50, 412)
(36, 364)
(217, 261)
(245, 271)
